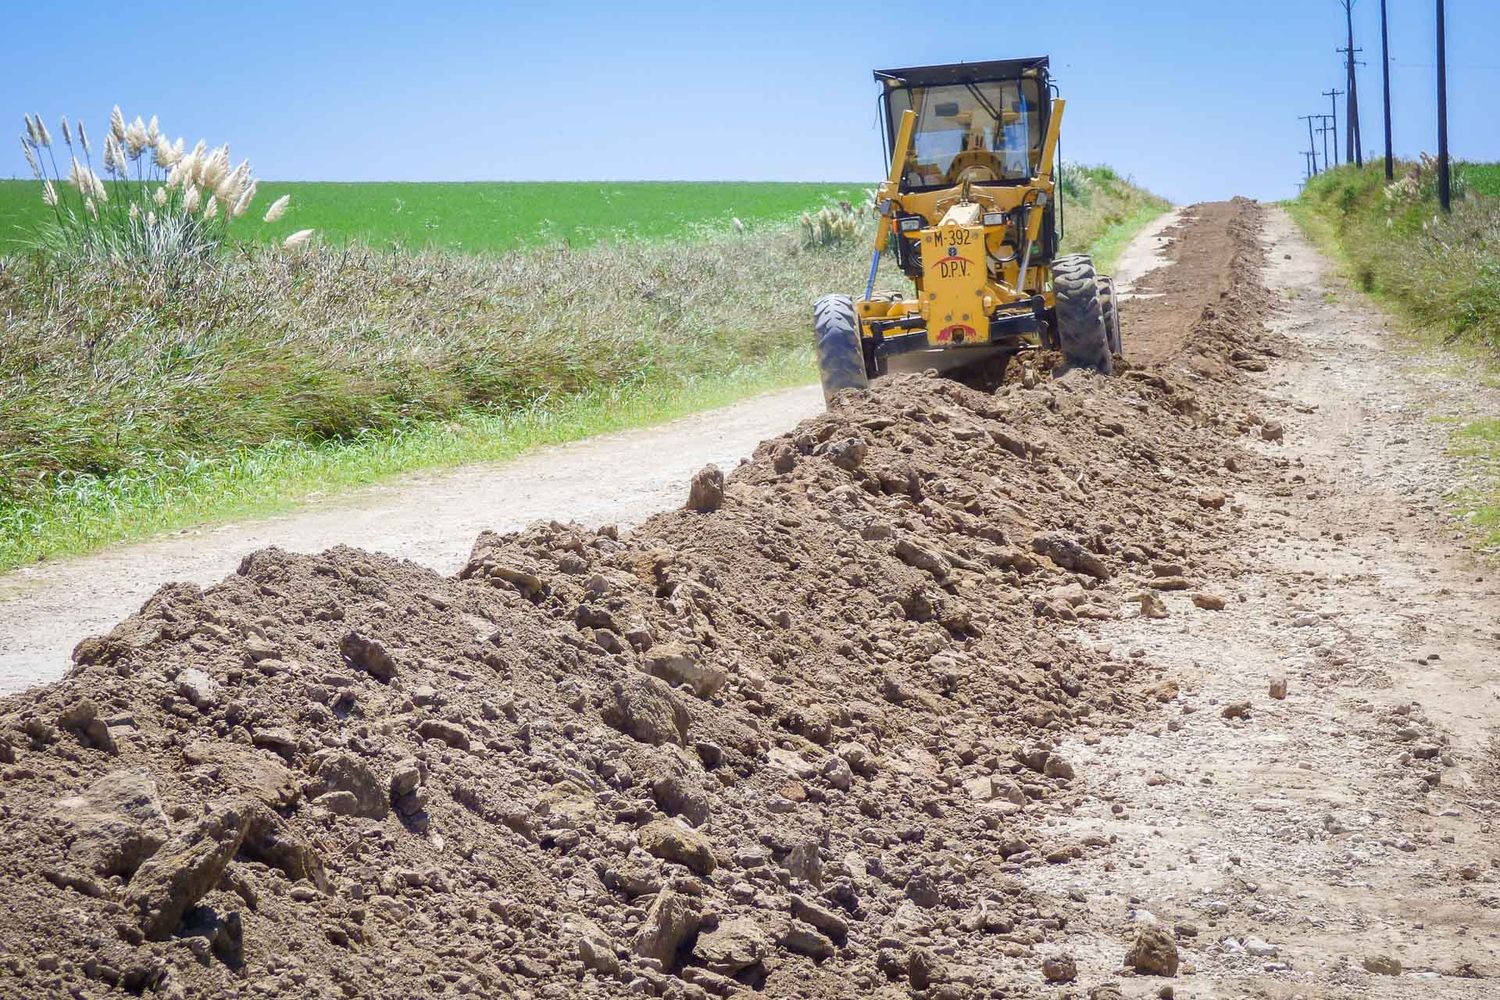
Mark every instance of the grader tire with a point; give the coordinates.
(1080, 315)
(841, 358)
(1110, 302)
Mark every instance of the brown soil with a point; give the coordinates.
(801, 739)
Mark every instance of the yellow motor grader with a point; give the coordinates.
(971, 214)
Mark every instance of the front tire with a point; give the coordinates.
(1081, 328)
(841, 357)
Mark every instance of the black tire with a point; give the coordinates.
(1110, 302)
(841, 358)
(1080, 315)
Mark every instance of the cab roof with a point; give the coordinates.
(966, 72)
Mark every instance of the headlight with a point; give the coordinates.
(909, 223)
(994, 218)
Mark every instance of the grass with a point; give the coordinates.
(140, 396)
(91, 512)
(1440, 274)
(1103, 212)
(491, 217)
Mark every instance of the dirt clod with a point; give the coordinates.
(706, 492)
(1153, 952)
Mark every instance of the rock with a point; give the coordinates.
(1382, 965)
(732, 947)
(804, 862)
(245, 772)
(370, 656)
(201, 690)
(112, 826)
(1068, 554)
(187, 866)
(706, 492)
(409, 773)
(821, 917)
(1211, 499)
(595, 949)
(1272, 431)
(258, 647)
(83, 719)
(784, 459)
(1151, 605)
(1059, 969)
(1153, 953)
(670, 840)
(1261, 948)
(805, 939)
(269, 840)
(1209, 602)
(277, 739)
(436, 729)
(1165, 691)
(676, 664)
(1236, 710)
(667, 926)
(1106, 991)
(847, 453)
(1278, 688)
(647, 709)
(342, 771)
(1056, 767)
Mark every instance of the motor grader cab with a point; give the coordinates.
(970, 213)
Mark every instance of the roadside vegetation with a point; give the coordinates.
(1439, 273)
(142, 391)
(1103, 211)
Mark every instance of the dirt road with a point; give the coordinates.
(430, 519)
(1350, 826)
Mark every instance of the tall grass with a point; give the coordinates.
(155, 201)
(1442, 271)
(136, 395)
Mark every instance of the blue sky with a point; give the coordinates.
(1196, 98)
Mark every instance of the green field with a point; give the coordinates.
(1481, 178)
(487, 217)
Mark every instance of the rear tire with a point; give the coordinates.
(1110, 302)
(841, 357)
(1080, 314)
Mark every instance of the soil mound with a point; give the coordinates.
(795, 740)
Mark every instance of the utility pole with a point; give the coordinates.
(1324, 129)
(1445, 177)
(1312, 144)
(1353, 145)
(1333, 99)
(1385, 70)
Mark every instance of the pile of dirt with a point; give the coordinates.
(795, 737)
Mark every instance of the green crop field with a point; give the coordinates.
(486, 217)
(1482, 178)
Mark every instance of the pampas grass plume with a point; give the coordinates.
(278, 208)
(298, 238)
